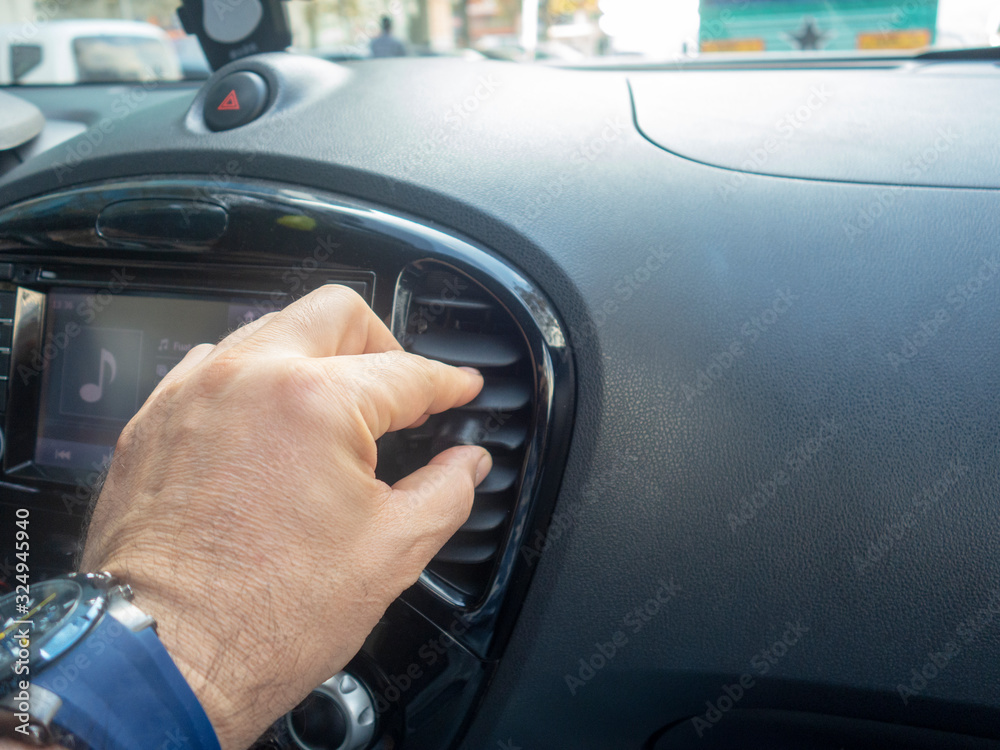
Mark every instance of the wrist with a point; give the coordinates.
(199, 659)
(206, 656)
(189, 641)
(91, 669)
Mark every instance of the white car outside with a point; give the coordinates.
(81, 51)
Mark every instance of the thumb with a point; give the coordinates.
(440, 494)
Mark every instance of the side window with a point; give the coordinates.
(23, 59)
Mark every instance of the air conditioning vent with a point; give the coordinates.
(443, 314)
(456, 346)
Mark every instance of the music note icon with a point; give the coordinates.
(92, 392)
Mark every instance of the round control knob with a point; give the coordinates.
(338, 715)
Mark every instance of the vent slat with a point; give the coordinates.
(469, 349)
(485, 519)
(500, 479)
(462, 550)
(462, 429)
(509, 437)
(467, 305)
(503, 395)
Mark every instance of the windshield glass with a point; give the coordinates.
(76, 41)
(123, 58)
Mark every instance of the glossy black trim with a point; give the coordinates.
(474, 622)
(162, 221)
(25, 381)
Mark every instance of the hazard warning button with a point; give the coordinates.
(235, 100)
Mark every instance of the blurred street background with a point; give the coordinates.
(574, 30)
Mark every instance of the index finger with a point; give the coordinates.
(393, 391)
(327, 322)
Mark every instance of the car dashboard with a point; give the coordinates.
(738, 333)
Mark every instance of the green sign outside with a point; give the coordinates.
(791, 25)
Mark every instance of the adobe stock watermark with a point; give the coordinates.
(82, 146)
(965, 634)
(761, 664)
(454, 119)
(634, 621)
(913, 168)
(87, 311)
(44, 11)
(750, 331)
(785, 129)
(588, 149)
(430, 653)
(566, 515)
(86, 488)
(259, 137)
(80, 660)
(930, 325)
(422, 316)
(622, 290)
(920, 504)
(749, 506)
(625, 286)
(903, 17)
(88, 483)
(298, 278)
(718, 27)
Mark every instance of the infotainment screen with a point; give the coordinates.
(108, 353)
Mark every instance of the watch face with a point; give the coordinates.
(41, 615)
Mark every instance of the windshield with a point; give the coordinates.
(77, 41)
(123, 58)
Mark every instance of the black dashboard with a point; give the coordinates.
(739, 330)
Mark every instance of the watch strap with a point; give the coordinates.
(120, 690)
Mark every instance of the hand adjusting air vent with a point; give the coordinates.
(445, 315)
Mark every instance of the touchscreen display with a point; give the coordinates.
(110, 352)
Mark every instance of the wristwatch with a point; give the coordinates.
(82, 667)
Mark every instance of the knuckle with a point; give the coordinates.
(417, 370)
(340, 295)
(200, 350)
(126, 439)
(252, 326)
(219, 373)
(330, 300)
(424, 370)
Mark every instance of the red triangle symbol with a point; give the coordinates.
(230, 102)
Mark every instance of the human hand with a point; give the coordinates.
(242, 504)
